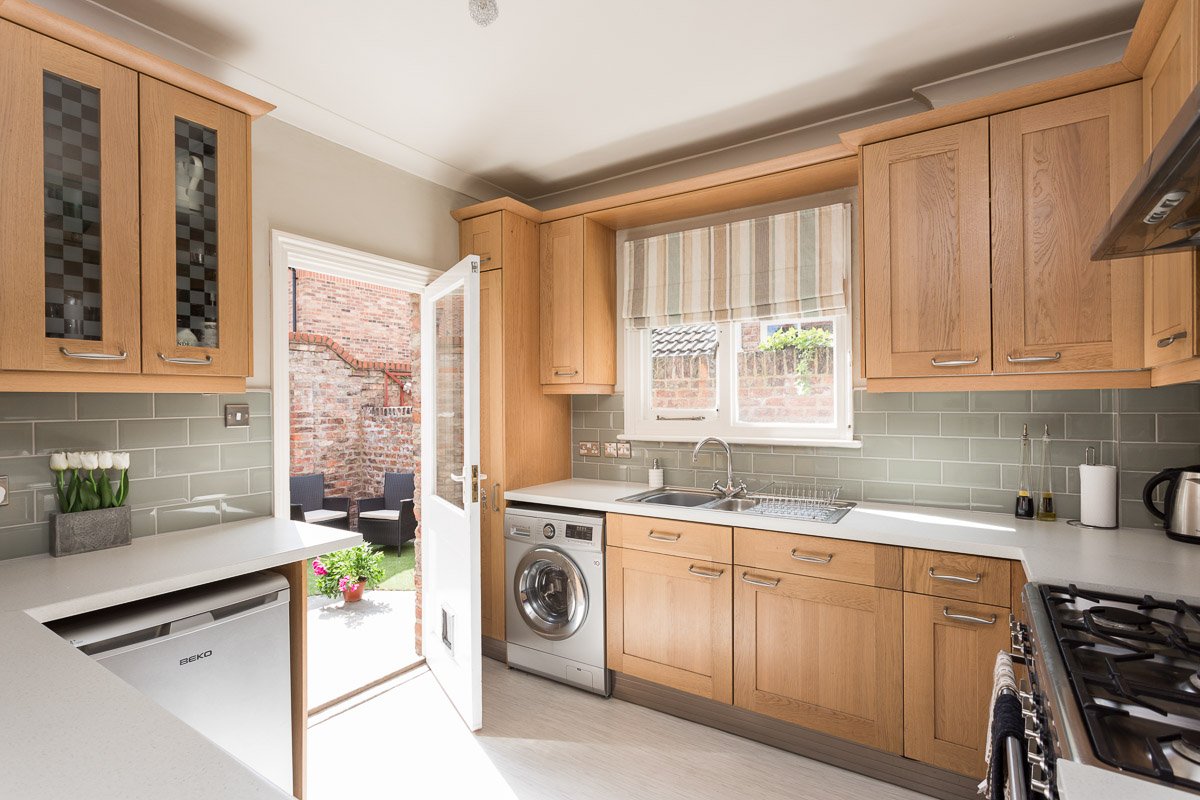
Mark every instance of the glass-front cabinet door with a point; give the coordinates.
(69, 286)
(195, 234)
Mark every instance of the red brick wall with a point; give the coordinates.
(374, 323)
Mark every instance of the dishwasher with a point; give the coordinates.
(217, 656)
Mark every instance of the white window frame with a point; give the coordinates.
(642, 422)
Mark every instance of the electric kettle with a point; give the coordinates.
(1181, 506)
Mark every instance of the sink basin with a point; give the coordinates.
(733, 504)
(688, 498)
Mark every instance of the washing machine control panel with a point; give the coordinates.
(548, 530)
(581, 532)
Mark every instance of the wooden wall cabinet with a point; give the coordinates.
(522, 430)
(1171, 285)
(951, 288)
(1058, 169)
(579, 307)
(823, 654)
(925, 254)
(670, 620)
(125, 241)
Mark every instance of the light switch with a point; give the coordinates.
(624, 450)
(237, 415)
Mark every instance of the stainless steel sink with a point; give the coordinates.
(765, 505)
(688, 498)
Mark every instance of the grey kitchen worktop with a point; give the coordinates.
(69, 727)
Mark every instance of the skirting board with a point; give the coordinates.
(495, 649)
(867, 761)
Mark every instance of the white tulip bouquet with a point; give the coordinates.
(84, 491)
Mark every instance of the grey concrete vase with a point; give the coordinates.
(84, 531)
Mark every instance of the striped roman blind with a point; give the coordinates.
(792, 264)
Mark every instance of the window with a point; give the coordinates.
(782, 380)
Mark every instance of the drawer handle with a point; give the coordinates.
(768, 583)
(193, 362)
(960, 362)
(562, 373)
(812, 559)
(121, 356)
(1033, 359)
(948, 614)
(663, 537)
(485, 259)
(937, 576)
(705, 573)
(1167, 341)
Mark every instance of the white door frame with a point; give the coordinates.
(293, 250)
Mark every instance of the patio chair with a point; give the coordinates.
(389, 520)
(309, 503)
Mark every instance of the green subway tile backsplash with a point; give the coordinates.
(186, 469)
(941, 449)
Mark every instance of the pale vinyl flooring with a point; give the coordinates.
(545, 741)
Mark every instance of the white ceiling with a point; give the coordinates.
(559, 93)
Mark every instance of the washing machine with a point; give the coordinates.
(554, 607)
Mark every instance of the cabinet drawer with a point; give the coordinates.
(958, 576)
(835, 559)
(684, 539)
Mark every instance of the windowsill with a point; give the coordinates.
(851, 444)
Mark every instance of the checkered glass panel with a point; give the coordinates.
(195, 234)
(71, 170)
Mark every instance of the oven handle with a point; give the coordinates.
(1017, 781)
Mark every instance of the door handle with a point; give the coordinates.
(939, 576)
(769, 583)
(812, 559)
(195, 362)
(1033, 359)
(948, 614)
(705, 573)
(121, 356)
(456, 478)
(954, 363)
(1167, 341)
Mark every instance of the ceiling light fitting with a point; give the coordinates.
(484, 12)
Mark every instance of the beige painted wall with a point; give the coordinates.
(310, 186)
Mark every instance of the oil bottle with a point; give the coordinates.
(1025, 506)
(1045, 508)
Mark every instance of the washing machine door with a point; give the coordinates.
(550, 592)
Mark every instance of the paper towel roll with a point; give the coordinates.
(1098, 495)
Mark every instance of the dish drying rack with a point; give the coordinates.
(803, 501)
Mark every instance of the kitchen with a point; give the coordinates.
(782, 442)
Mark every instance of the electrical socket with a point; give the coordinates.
(610, 449)
(3, 490)
(624, 450)
(589, 448)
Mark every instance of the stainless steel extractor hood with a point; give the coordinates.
(1160, 211)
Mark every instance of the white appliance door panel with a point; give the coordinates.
(228, 680)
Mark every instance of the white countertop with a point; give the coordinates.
(1129, 559)
(69, 727)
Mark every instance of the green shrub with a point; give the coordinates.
(807, 342)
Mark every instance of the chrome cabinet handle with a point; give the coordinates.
(456, 478)
(813, 559)
(1167, 341)
(661, 418)
(663, 537)
(948, 614)
(954, 363)
(495, 494)
(195, 362)
(121, 356)
(705, 573)
(938, 576)
(562, 373)
(769, 583)
(1033, 359)
(485, 259)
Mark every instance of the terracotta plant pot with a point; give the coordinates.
(355, 594)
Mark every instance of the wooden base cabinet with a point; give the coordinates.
(823, 654)
(670, 620)
(950, 651)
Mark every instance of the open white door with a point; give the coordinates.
(450, 486)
